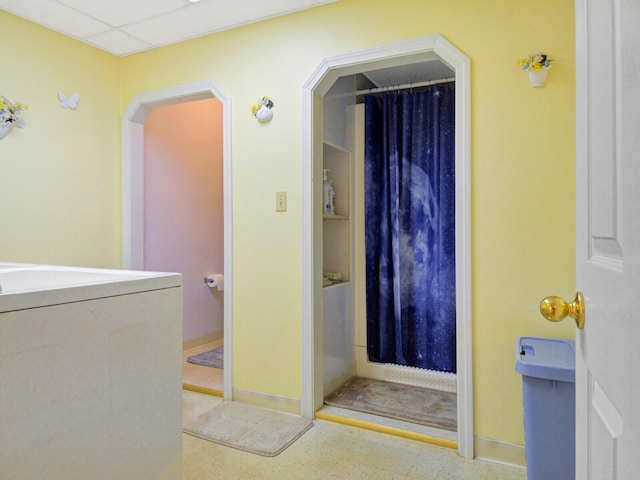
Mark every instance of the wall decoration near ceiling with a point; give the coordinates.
(69, 102)
(262, 110)
(537, 65)
(10, 115)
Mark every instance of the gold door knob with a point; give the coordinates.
(555, 309)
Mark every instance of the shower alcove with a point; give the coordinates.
(334, 331)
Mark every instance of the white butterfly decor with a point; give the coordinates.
(69, 102)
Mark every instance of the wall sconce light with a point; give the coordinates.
(10, 115)
(537, 65)
(262, 111)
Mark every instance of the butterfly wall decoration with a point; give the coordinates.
(69, 102)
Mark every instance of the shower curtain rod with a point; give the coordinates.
(405, 86)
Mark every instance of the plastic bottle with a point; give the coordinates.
(332, 199)
(326, 193)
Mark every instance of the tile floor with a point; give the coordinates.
(334, 451)
(328, 451)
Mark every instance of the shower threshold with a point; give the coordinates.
(390, 426)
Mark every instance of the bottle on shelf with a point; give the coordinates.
(328, 197)
(332, 199)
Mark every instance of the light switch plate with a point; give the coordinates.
(281, 201)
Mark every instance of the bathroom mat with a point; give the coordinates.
(424, 406)
(212, 358)
(247, 427)
(195, 403)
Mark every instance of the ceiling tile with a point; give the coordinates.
(123, 12)
(123, 27)
(55, 16)
(118, 42)
(209, 16)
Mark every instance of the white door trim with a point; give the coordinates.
(133, 187)
(389, 55)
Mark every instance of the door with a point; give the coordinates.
(608, 238)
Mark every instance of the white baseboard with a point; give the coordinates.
(500, 452)
(274, 402)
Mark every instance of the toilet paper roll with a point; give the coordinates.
(215, 280)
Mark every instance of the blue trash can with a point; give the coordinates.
(548, 373)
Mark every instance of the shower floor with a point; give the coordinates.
(199, 378)
(382, 403)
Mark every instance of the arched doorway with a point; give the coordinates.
(384, 56)
(132, 188)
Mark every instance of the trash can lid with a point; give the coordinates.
(549, 358)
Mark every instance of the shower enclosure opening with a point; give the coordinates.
(399, 291)
(334, 313)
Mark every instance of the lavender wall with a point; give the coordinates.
(183, 230)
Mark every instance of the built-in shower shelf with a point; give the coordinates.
(336, 254)
(334, 217)
(336, 284)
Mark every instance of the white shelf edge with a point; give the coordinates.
(326, 216)
(338, 284)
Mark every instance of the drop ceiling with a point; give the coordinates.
(124, 27)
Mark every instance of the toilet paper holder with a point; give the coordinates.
(215, 280)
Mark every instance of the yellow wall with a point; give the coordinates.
(522, 148)
(60, 174)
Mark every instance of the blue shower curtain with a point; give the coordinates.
(410, 228)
